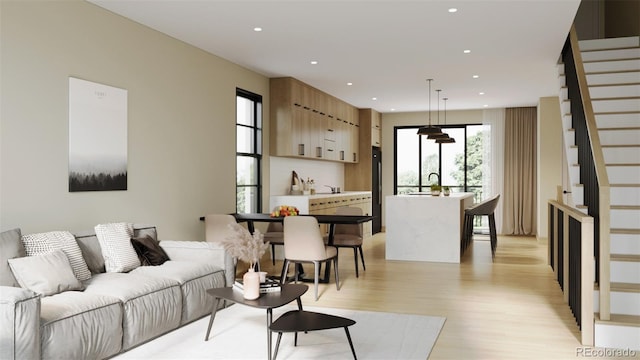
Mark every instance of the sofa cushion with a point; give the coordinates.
(194, 279)
(79, 325)
(10, 247)
(42, 243)
(119, 255)
(149, 251)
(45, 274)
(151, 306)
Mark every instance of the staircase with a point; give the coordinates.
(612, 69)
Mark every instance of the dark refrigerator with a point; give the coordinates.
(376, 190)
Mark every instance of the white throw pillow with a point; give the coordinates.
(46, 274)
(115, 242)
(44, 243)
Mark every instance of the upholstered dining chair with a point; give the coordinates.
(349, 235)
(484, 208)
(217, 229)
(275, 236)
(303, 243)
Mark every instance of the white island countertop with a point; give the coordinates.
(422, 227)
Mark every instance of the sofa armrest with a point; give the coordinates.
(20, 319)
(201, 251)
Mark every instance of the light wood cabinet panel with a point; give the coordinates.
(358, 176)
(309, 123)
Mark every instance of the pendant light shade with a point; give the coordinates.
(445, 139)
(429, 130)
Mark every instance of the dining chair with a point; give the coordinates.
(275, 236)
(217, 229)
(303, 243)
(349, 235)
(484, 208)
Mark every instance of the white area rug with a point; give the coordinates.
(239, 332)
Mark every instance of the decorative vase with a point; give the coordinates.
(251, 284)
(447, 192)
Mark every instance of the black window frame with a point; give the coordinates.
(258, 133)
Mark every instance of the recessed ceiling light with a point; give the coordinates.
(257, 29)
(392, 109)
(314, 62)
(349, 83)
(452, 10)
(467, 51)
(485, 105)
(481, 93)
(374, 98)
(476, 76)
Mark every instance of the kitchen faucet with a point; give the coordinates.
(436, 174)
(334, 190)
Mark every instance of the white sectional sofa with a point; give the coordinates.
(110, 312)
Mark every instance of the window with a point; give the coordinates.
(458, 165)
(248, 152)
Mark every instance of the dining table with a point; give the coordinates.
(331, 220)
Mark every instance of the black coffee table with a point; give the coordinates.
(268, 301)
(298, 320)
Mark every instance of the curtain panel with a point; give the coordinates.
(519, 200)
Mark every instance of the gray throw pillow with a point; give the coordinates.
(10, 247)
(47, 274)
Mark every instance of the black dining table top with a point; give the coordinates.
(322, 219)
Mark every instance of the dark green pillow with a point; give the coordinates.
(149, 251)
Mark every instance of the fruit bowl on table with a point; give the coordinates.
(284, 210)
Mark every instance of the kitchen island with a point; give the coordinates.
(422, 227)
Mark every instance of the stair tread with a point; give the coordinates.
(625, 207)
(616, 98)
(624, 231)
(625, 257)
(625, 287)
(621, 164)
(624, 185)
(620, 319)
(625, 128)
(611, 72)
(620, 145)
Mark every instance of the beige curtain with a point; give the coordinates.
(519, 198)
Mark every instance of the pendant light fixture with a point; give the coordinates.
(442, 134)
(428, 130)
(447, 139)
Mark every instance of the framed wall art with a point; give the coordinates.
(97, 137)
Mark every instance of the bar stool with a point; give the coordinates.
(487, 208)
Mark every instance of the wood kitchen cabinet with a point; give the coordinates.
(358, 176)
(327, 204)
(309, 123)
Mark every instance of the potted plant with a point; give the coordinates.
(435, 190)
(446, 190)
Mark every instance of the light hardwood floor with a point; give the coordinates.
(511, 308)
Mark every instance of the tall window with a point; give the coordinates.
(420, 163)
(248, 152)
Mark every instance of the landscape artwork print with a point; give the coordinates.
(97, 137)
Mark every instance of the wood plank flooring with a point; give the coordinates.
(511, 308)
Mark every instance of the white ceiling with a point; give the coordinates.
(386, 48)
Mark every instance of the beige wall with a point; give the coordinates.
(550, 158)
(181, 120)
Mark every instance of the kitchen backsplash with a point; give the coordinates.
(322, 172)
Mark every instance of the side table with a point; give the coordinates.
(268, 301)
(299, 320)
